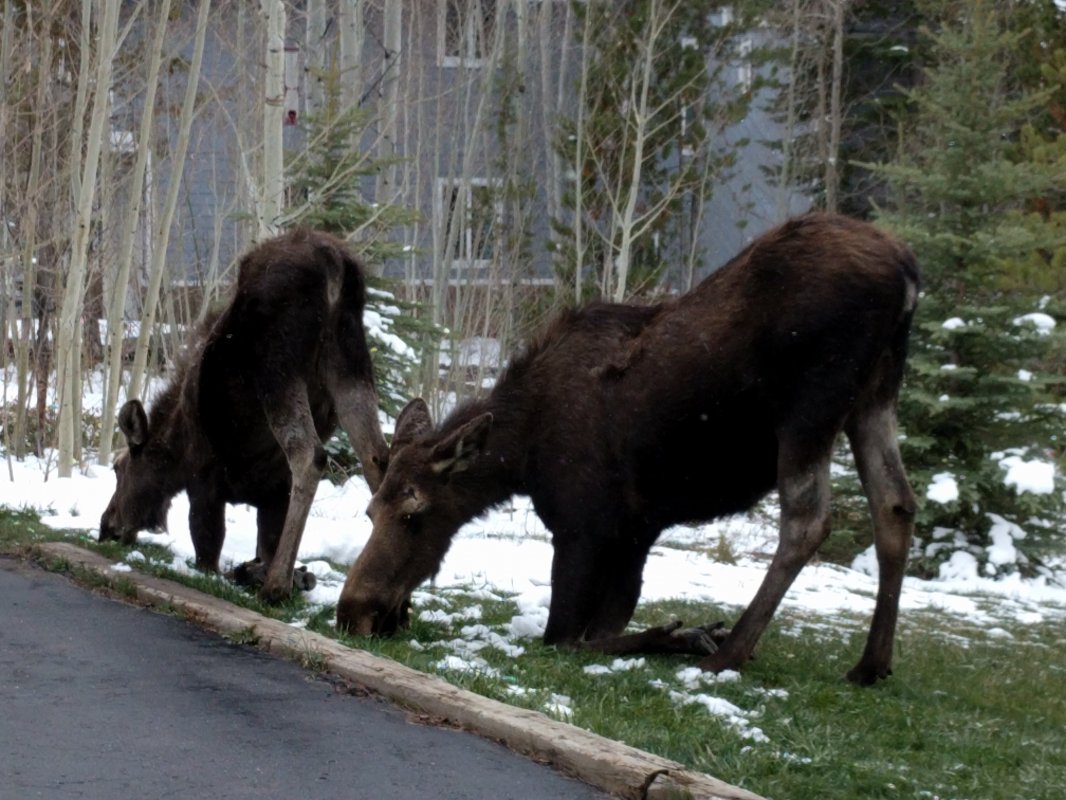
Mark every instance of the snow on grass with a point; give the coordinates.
(507, 555)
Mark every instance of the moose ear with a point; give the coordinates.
(459, 448)
(413, 421)
(133, 423)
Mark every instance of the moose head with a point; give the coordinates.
(144, 480)
(416, 512)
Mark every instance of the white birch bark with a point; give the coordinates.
(161, 237)
(386, 189)
(315, 55)
(350, 46)
(44, 112)
(117, 306)
(832, 172)
(69, 333)
(788, 149)
(273, 188)
(642, 118)
(579, 162)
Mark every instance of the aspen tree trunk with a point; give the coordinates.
(68, 364)
(273, 187)
(248, 115)
(43, 109)
(162, 234)
(387, 186)
(116, 310)
(315, 55)
(350, 19)
(641, 121)
(579, 161)
(832, 172)
(553, 53)
(789, 133)
(81, 98)
(9, 262)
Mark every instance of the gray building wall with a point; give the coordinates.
(451, 134)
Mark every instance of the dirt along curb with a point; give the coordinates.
(612, 766)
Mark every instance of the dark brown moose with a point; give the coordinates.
(620, 421)
(244, 418)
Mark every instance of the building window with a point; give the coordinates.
(469, 212)
(466, 30)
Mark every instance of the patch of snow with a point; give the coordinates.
(1043, 323)
(944, 489)
(1035, 477)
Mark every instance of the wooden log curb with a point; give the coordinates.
(617, 768)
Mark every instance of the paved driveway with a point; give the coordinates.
(103, 700)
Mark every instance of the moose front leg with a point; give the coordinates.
(289, 416)
(270, 522)
(207, 526)
(593, 601)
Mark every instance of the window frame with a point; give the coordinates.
(463, 261)
(472, 38)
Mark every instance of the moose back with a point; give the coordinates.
(622, 420)
(264, 383)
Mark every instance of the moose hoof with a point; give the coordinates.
(702, 640)
(868, 674)
(250, 574)
(722, 659)
(273, 595)
(302, 580)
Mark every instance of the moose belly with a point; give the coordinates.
(688, 477)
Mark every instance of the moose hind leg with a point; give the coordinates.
(803, 485)
(872, 434)
(289, 415)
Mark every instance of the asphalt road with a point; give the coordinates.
(99, 699)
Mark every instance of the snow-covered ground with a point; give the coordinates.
(509, 551)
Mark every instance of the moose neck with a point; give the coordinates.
(170, 438)
(499, 472)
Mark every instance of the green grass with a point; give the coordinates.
(969, 713)
(21, 528)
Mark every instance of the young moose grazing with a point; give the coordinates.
(245, 416)
(621, 421)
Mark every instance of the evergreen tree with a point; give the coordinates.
(330, 180)
(974, 405)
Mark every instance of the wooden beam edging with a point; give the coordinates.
(612, 766)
